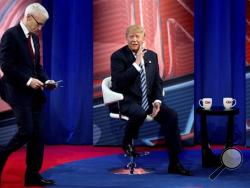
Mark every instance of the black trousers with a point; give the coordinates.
(29, 122)
(167, 118)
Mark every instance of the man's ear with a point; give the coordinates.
(27, 17)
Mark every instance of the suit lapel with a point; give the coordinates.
(147, 67)
(20, 32)
(130, 56)
(131, 59)
(22, 36)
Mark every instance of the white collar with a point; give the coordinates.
(25, 30)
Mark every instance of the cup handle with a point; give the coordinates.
(234, 101)
(200, 103)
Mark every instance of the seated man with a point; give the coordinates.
(135, 74)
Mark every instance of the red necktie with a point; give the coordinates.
(30, 48)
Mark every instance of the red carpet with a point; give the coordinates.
(13, 173)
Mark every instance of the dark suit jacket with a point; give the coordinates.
(18, 67)
(126, 79)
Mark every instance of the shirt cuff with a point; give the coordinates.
(29, 81)
(137, 67)
(157, 100)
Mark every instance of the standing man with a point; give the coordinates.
(135, 74)
(25, 80)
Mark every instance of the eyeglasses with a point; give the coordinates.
(38, 23)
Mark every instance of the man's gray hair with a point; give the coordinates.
(36, 8)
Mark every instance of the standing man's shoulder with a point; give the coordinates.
(11, 31)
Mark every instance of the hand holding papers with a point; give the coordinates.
(52, 84)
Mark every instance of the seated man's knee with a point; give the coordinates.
(173, 114)
(169, 113)
(139, 116)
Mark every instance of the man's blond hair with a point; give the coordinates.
(135, 29)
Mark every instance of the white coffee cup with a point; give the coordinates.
(206, 103)
(229, 102)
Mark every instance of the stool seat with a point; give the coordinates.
(110, 97)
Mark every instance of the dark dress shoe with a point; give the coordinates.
(209, 159)
(130, 150)
(3, 159)
(178, 169)
(38, 182)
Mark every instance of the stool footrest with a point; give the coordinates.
(141, 154)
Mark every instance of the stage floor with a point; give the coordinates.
(89, 166)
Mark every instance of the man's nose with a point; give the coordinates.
(134, 39)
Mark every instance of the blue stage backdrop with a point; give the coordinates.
(68, 56)
(220, 62)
